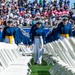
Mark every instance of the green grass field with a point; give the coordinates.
(42, 69)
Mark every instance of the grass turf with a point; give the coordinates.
(42, 69)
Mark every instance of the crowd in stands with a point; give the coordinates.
(26, 14)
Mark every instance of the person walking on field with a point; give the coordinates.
(37, 36)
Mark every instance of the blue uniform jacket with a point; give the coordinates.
(8, 31)
(52, 36)
(25, 40)
(1, 33)
(73, 33)
(49, 38)
(37, 32)
(64, 29)
(18, 35)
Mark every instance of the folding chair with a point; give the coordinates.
(51, 49)
(25, 51)
(69, 48)
(18, 56)
(72, 42)
(58, 68)
(47, 55)
(51, 54)
(6, 62)
(45, 49)
(65, 51)
(59, 51)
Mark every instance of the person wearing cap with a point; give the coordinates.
(64, 28)
(37, 38)
(8, 33)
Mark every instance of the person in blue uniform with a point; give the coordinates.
(52, 35)
(64, 29)
(1, 32)
(49, 37)
(73, 33)
(55, 34)
(19, 36)
(32, 31)
(8, 33)
(37, 37)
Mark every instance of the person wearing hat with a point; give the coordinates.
(8, 33)
(64, 28)
(37, 32)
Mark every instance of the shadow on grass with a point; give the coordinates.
(43, 73)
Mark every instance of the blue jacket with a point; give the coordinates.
(49, 38)
(8, 31)
(64, 29)
(52, 36)
(37, 32)
(1, 33)
(25, 40)
(18, 35)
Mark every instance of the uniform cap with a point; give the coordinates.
(39, 22)
(65, 18)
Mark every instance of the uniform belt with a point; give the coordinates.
(65, 35)
(10, 38)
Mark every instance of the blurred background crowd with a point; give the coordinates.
(25, 14)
